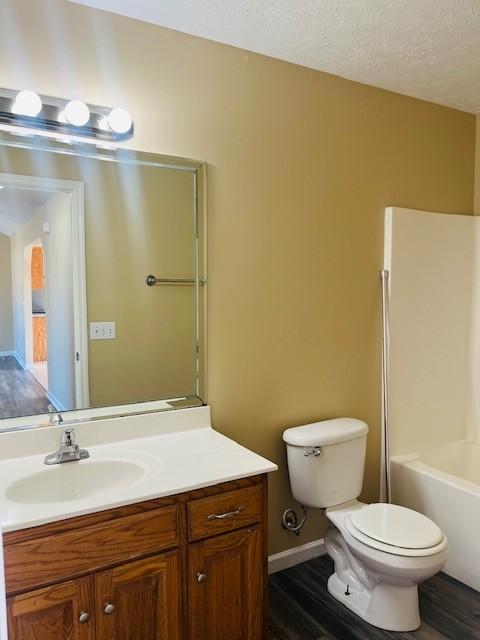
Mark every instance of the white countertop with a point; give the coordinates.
(180, 457)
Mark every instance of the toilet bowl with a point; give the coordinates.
(377, 577)
(381, 552)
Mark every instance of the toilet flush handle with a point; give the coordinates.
(313, 451)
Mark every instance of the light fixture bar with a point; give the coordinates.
(27, 112)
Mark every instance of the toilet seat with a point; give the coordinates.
(397, 526)
(396, 530)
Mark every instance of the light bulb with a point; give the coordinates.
(27, 103)
(119, 120)
(77, 113)
(1, 186)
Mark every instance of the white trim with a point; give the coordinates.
(296, 555)
(19, 359)
(76, 190)
(56, 403)
(15, 355)
(27, 302)
(82, 387)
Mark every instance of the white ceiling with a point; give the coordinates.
(17, 206)
(429, 49)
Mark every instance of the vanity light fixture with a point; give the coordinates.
(77, 113)
(27, 103)
(119, 120)
(27, 113)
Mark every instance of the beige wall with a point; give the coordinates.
(302, 165)
(6, 315)
(139, 220)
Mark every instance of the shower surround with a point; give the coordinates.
(433, 261)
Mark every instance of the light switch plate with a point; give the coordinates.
(102, 331)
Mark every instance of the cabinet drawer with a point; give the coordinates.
(66, 555)
(224, 512)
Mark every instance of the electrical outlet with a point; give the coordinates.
(102, 331)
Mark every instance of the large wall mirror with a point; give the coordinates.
(82, 325)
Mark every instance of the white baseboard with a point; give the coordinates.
(56, 403)
(15, 355)
(291, 557)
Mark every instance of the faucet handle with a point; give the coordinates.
(68, 438)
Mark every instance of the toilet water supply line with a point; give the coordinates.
(384, 276)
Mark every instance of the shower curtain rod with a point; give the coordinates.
(384, 276)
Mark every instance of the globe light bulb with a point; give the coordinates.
(119, 120)
(27, 103)
(77, 113)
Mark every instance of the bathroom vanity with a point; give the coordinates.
(163, 563)
(158, 530)
(142, 571)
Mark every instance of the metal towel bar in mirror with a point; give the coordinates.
(152, 280)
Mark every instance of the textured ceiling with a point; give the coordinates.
(429, 49)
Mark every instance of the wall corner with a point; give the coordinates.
(476, 193)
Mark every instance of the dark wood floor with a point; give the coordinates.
(20, 393)
(302, 609)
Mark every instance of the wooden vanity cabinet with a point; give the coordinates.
(226, 587)
(187, 567)
(140, 600)
(52, 613)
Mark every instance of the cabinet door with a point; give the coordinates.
(226, 587)
(61, 612)
(140, 600)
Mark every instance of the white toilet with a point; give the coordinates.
(381, 551)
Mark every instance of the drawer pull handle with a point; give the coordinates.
(229, 514)
(201, 577)
(83, 617)
(108, 609)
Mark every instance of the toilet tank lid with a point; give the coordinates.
(320, 434)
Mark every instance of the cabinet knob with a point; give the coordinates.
(83, 617)
(109, 608)
(201, 577)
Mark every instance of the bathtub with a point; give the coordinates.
(444, 484)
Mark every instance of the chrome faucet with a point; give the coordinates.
(69, 450)
(55, 417)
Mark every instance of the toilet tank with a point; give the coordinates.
(326, 461)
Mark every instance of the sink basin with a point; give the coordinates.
(73, 481)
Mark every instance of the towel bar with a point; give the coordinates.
(152, 280)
